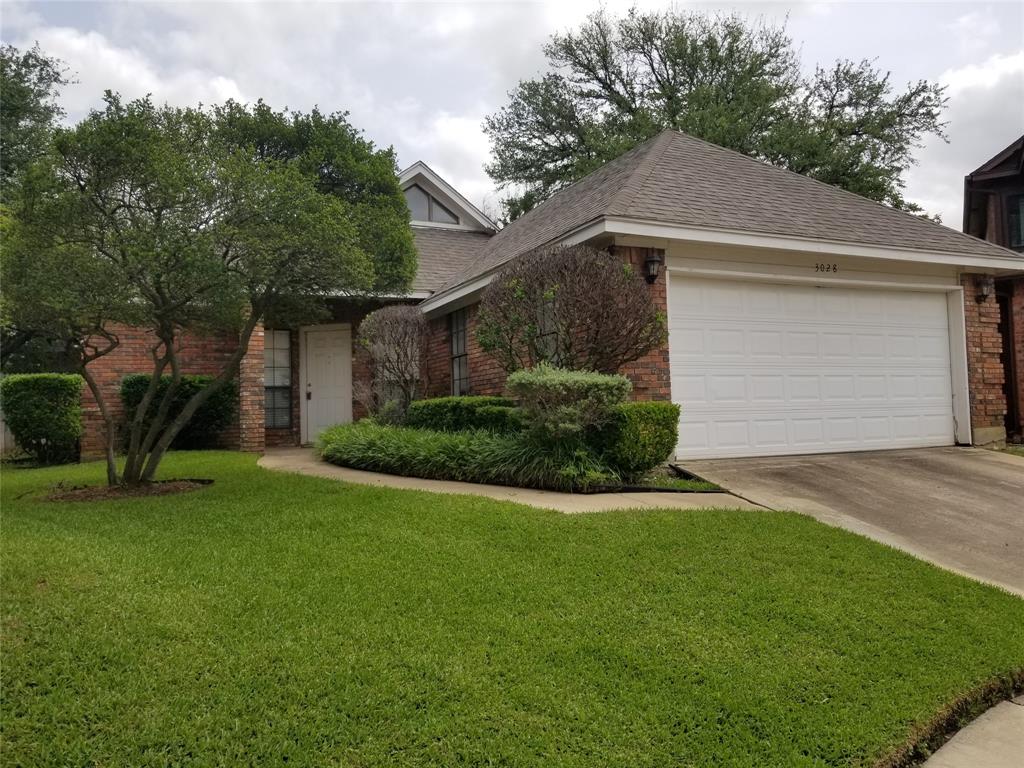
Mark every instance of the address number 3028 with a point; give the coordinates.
(826, 267)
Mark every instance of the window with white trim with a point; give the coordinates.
(277, 379)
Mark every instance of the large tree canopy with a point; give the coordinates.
(183, 221)
(30, 82)
(615, 82)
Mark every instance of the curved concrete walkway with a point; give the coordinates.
(303, 461)
(994, 740)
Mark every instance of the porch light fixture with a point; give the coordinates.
(986, 287)
(652, 265)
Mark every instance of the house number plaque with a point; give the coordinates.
(826, 267)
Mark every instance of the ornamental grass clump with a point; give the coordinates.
(476, 456)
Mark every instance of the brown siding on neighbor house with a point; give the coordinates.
(199, 355)
(984, 366)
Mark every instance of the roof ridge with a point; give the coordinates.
(624, 197)
(845, 192)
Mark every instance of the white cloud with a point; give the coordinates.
(975, 30)
(985, 114)
(422, 75)
(100, 65)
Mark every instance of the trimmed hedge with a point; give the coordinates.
(558, 404)
(462, 413)
(44, 413)
(203, 429)
(470, 456)
(638, 437)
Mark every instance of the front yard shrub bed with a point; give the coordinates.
(274, 619)
(476, 456)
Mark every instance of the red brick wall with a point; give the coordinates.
(1017, 351)
(437, 359)
(198, 355)
(984, 367)
(649, 374)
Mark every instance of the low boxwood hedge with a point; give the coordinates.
(470, 456)
(638, 437)
(44, 413)
(203, 429)
(466, 412)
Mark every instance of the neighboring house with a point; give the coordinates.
(994, 211)
(802, 318)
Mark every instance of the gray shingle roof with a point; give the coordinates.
(443, 253)
(677, 179)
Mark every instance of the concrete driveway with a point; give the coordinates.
(961, 508)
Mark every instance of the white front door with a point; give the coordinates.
(764, 369)
(327, 365)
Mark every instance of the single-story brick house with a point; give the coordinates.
(802, 318)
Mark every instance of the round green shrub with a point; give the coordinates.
(44, 413)
(205, 426)
(559, 404)
(638, 437)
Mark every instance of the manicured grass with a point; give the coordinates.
(274, 617)
(680, 484)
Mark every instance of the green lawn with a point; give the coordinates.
(273, 617)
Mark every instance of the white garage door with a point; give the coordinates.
(763, 369)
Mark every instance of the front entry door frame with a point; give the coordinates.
(304, 382)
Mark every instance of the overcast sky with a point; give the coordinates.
(422, 76)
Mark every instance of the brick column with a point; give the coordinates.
(1017, 346)
(985, 371)
(251, 431)
(650, 374)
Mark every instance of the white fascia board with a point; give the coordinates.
(419, 168)
(457, 297)
(653, 229)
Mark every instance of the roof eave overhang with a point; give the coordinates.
(465, 293)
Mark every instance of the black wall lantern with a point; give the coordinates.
(986, 286)
(652, 265)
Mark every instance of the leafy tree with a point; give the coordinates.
(395, 337)
(180, 223)
(574, 307)
(30, 82)
(614, 83)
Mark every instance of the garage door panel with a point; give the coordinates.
(762, 369)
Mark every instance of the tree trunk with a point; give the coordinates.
(108, 425)
(227, 373)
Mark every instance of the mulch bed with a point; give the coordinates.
(106, 493)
